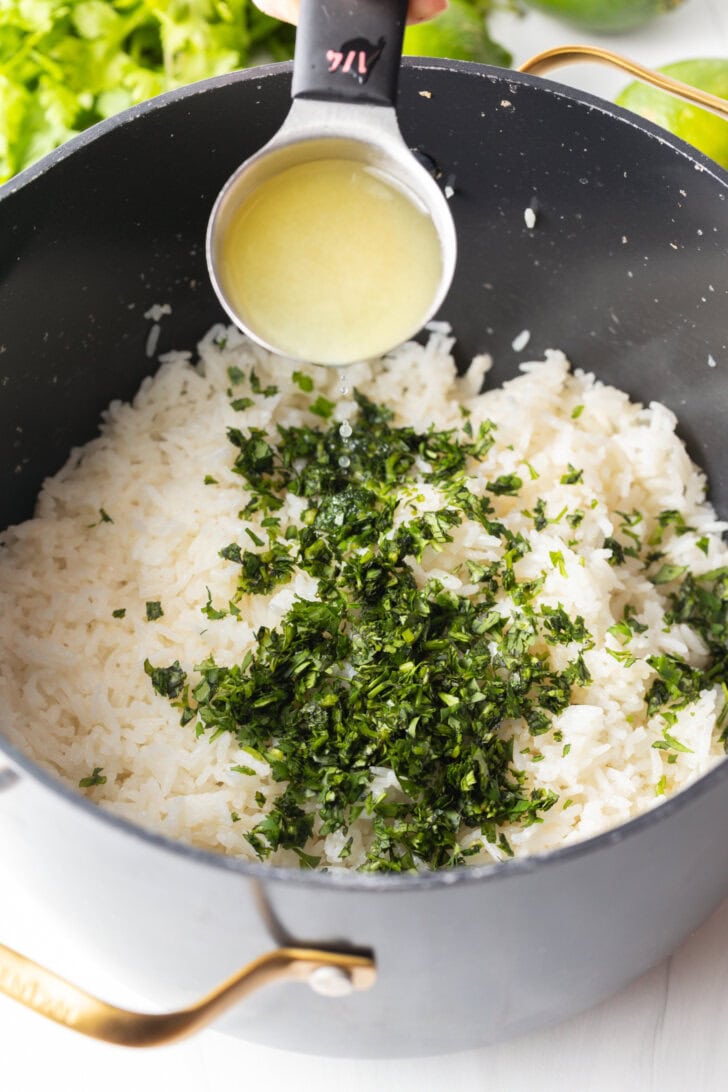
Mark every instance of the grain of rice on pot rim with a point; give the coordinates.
(550, 541)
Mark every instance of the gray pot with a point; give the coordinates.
(117, 218)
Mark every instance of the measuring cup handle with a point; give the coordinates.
(349, 50)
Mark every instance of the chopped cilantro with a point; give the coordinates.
(620, 552)
(383, 670)
(423, 661)
(667, 573)
(576, 412)
(167, 681)
(622, 631)
(539, 516)
(209, 480)
(96, 778)
(305, 382)
(557, 560)
(622, 656)
(505, 485)
(669, 518)
(232, 552)
(119, 613)
(104, 517)
(242, 403)
(257, 387)
(669, 743)
(260, 572)
(306, 860)
(677, 684)
(572, 476)
(631, 620)
(209, 611)
(322, 407)
(154, 610)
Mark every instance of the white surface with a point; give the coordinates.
(666, 1032)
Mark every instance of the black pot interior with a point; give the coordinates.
(625, 269)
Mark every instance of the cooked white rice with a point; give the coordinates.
(72, 685)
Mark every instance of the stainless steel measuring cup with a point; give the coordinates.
(344, 87)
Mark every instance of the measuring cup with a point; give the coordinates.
(333, 243)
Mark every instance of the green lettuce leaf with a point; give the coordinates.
(65, 64)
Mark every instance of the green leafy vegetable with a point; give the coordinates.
(257, 387)
(572, 476)
(104, 516)
(65, 64)
(305, 382)
(209, 611)
(167, 681)
(241, 403)
(322, 407)
(96, 778)
(669, 743)
(506, 485)
(154, 610)
(430, 676)
(384, 670)
(667, 573)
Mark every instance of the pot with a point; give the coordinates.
(626, 271)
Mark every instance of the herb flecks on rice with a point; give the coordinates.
(379, 672)
(498, 629)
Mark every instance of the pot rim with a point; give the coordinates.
(345, 879)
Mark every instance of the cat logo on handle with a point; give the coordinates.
(356, 58)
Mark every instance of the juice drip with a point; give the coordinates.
(345, 428)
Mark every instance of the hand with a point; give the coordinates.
(287, 10)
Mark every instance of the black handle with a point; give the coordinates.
(349, 50)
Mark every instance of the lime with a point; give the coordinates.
(699, 127)
(606, 16)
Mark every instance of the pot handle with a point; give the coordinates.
(562, 55)
(334, 974)
(349, 50)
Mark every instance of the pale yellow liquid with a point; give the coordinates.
(331, 262)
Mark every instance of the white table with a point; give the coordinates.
(667, 1032)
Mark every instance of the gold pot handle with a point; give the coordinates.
(330, 973)
(562, 55)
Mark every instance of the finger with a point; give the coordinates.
(287, 10)
(419, 10)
